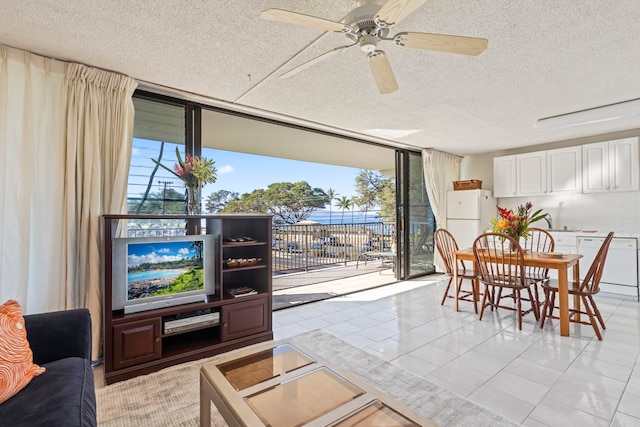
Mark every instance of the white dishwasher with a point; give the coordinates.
(620, 275)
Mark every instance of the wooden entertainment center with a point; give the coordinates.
(146, 341)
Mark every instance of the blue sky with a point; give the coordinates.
(241, 173)
(139, 253)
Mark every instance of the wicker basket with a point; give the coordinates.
(469, 184)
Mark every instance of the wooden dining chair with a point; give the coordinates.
(539, 240)
(585, 290)
(500, 268)
(446, 244)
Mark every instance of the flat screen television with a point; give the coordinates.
(157, 272)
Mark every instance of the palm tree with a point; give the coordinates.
(344, 203)
(331, 195)
(354, 202)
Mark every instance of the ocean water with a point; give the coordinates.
(152, 274)
(323, 217)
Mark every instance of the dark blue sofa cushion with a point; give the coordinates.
(64, 395)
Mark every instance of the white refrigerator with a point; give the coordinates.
(469, 214)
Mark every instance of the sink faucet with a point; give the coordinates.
(549, 221)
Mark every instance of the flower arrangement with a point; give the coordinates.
(516, 224)
(195, 172)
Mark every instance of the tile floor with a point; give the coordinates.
(533, 377)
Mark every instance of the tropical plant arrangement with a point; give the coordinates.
(195, 172)
(516, 223)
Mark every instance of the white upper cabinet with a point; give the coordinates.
(564, 170)
(623, 165)
(595, 167)
(531, 174)
(504, 176)
(611, 166)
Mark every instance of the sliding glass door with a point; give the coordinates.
(416, 223)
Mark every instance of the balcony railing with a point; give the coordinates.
(309, 246)
(306, 247)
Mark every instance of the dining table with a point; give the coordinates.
(553, 261)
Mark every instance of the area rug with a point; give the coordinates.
(170, 397)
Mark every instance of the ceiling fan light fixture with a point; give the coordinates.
(605, 113)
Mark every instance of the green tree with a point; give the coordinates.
(218, 200)
(171, 200)
(344, 203)
(288, 202)
(331, 195)
(387, 200)
(376, 189)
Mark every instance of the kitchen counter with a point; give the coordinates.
(595, 233)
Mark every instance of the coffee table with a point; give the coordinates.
(287, 386)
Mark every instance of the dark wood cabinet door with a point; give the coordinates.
(137, 342)
(244, 318)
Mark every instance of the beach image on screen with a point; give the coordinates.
(164, 268)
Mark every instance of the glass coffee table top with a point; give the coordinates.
(376, 414)
(302, 399)
(283, 386)
(250, 370)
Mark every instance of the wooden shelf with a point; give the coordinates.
(136, 344)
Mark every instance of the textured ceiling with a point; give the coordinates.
(544, 58)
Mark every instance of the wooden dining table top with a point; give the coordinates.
(532, 259)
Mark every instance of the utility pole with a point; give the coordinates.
(164, 192)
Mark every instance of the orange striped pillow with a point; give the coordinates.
(16, 359)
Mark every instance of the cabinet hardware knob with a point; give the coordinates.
(157, 339)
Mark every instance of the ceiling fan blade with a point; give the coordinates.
(305, 20)
(382, 72)
(309, 63)
(395, 11)
(442, 42)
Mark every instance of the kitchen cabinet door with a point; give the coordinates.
(623, 165)
(564, 170)
(531, 174)
(504, 176)
(595, 167)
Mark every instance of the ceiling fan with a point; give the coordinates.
(367, 25)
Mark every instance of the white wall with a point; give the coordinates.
(604, 211)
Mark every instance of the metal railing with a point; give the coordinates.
(309, 246)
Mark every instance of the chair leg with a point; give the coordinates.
(516, 294)
(592, 317)
(552, 304)
(545, 307)
(474, 294)
(446, 291)
(597, 312)
(534, 304)
(484, 301)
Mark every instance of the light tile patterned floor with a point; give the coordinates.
(533, 377)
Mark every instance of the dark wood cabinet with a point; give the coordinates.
(137, 342)
(245, 318)
(146, 341)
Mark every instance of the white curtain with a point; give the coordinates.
(65, 145)
(440, 170)
(33, 263)
(99, 138)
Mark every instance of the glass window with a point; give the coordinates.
(158, 129)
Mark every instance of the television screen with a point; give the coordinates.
(164, 268)
(157, 272)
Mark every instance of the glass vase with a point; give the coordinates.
(193, 201)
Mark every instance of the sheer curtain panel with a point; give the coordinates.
(99, 138)
(65, 144)
(440, 170)
(33, 261)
